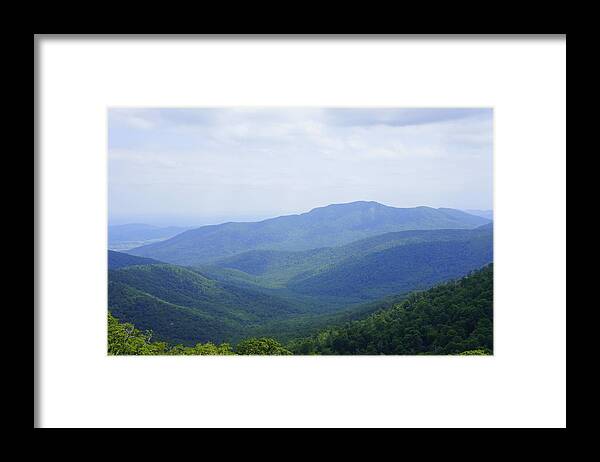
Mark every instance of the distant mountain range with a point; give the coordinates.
(123, 237)
(481, 213)
(333, 225)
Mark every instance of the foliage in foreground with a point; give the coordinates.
(126, 339)
(261, 346)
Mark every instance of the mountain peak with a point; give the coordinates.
(328, 226)
(350, 205)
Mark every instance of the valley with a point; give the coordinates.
(292, 277)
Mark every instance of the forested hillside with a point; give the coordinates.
(124, 339)
(118, 260)
(452, 318)
(368, 269)
(182, 306)
(307, 324)
(281, 266)
(333, 225)
(399, 269)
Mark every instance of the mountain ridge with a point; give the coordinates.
(118, 260)
(331, 225)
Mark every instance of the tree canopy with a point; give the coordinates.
(448, 319)
(126, 339)
(261, 346)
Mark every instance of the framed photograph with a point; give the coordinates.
(300, 231)
(280, 231)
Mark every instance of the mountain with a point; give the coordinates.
(304, 325)
(481, 213)
(168, 322)
(399, 269)
(123, 237)
(280, 266)
(452, 318)
(391, 263)
(333, 225)
(182, 306)
(120, 260)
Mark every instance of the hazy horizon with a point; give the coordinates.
(182, 221)
(191, 167)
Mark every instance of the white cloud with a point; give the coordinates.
(247, 160)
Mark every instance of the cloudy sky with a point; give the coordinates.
(200, 166)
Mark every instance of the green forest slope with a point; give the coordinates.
(451, 318)
(333, 225)
(180, 305)
(454, 318)
(365, 270)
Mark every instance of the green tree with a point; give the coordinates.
(202, 349)
(478, 351)
(125, 339)
(261, 346)
(447, 319)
